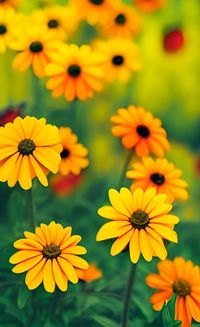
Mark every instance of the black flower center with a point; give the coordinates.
(51, 251)
(74, 70)
(3, 29)
(36, 47)
(139, 219)
(53, 23)
(120, 19)
(26, 147)
(143, 131)
(181, 287)
(96, 2)
(157, 179)
(117, 60)
(65, 153)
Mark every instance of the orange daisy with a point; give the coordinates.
(159, 173)
(139, 130)
(90, 274)
(149, 5)
(182, 278)
(9, 3)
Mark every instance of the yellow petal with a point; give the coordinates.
(38, 171)
(22, 255)
(127, 199)
(48, 158)
(48, 278)
(157, 201)
(113, 229)
(160, 209)
(60, 278)
(157, 247)
(138, 198)
(165, 232)
(35, 275)
(25, 179)
(24, 244)
(68, 269)
(110, 213)
(120, 243)
(166, 219)
(76, 261)
(148, 196)
(117, 203)
(73, 240)
(27, 264)
(77, 249)
(134, 247)
(144, 245)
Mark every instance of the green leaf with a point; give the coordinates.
(23, 296)
(102, 321)
(168, 314)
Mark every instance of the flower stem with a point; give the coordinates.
(31, 208)
(128, 159)
(127, 298)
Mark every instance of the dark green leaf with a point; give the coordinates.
(23, 296)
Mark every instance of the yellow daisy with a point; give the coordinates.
(36, 46)
(73, 154)
(121, 58)
(159, 173)
(140, 220)
(90, 274)
(28, 148)
(75, 72)
(50, 255)
(9, 3)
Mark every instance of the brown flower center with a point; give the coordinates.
(139, 219)
(96, 2)
(120, 19)
(65, 153)
(36, 47)
(26, 147)
(51, 251)
(53, 23)
(117, 60)
(157, 179)
(143, 131)
(74, 70)
(3, 29)
(181, 287)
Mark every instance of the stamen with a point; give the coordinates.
(26, 147)
(181, 287)
(51, 251)
(139, 219)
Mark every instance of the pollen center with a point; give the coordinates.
(143, 131)
(96, 2)
(120, 19)
(139, 219)
(36, 47)
(3, 29)
(157, 179)
(51, 251)
(74, 70)
(118, 60)
(26, 147)
(53, 23)
(181, 287)
(65, 153)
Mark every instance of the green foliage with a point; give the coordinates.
(168, 314)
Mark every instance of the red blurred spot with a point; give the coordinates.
(174, 41)
(64, 185)
(10, 113)
(197, 166)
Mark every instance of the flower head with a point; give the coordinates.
(121, 58)
(50, 255)
(75, 72)
(9, 114)
(159, 173)
(182, 278)
(141, 220)
(149, 5)
(73, 153)
(141, 131)
(90, 274)
(28, 148)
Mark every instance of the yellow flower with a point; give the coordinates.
(140, 220)
(149, 5)
(75, 72)
(121, 58)
(140, 130)
(9, 3)
(122, 21)
(50, 255)
(73, 153)
(182, 278)
(90, 274)
(36, 46)
(28, 148)
(159, 173)
(61, 20)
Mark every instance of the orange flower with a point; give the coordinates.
(149, 5)
(65, 185)
(140, 130)
(90, 274)
(9, 3)
(182, 278)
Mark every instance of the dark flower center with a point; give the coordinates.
(181, 287)
(51, 251)
(74, 70)
(158, 179)
(120, 19)
(65, 153)
(36, 47)
(117, 60)
(139, 219)
(3, 29)
(96, 2)
(26, 147)
(143, 131)
(53, 23)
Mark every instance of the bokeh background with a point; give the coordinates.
(168, 86)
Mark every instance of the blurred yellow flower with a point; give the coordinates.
(159, 173)
(149, 5)
(182, 278)
(90, 274)
(122, 21)
(139, 130)
(50, 255)
(10, 3)
(141, 220)
(73, 154)
(28, 148)
(121, 58)
(36, 46)
(75, 72)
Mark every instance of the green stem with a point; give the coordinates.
(31, 208)
(127, 298)
(125, 167)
